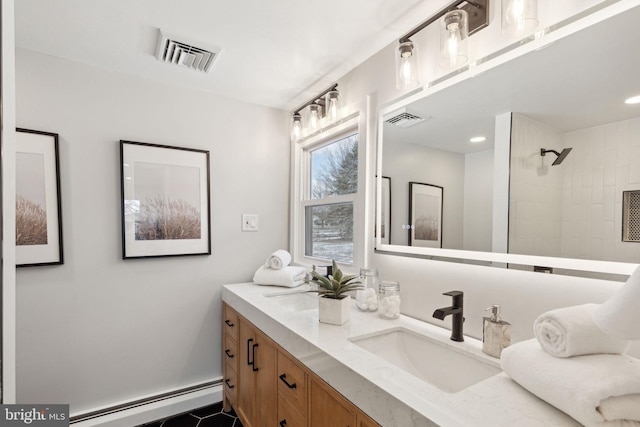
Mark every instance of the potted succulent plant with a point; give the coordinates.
(334, 305)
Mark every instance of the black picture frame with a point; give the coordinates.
(165, 200)
(39, 239)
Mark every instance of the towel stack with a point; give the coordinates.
(577, 364)
(277, 272)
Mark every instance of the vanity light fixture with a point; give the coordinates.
(519, 17)
(453, 39)
(477, 17)
(324, 108)
(477, 139)
(633, 100)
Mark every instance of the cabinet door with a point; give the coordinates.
(246, 375)
(327, 408)
(264, 355)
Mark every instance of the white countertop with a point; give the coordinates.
(390, 395)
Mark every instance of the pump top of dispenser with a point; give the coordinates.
(495, 313)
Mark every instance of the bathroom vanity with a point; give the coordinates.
(400, 372)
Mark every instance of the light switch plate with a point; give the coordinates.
(249, 222)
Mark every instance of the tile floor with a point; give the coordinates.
(208, 416)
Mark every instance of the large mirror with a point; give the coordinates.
(565, 100)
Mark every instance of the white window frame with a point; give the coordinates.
(301, 184)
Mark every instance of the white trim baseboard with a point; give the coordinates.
(155, 409)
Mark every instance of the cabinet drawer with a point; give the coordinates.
(291, 382)
(289, 415)
(230, 322)
(230, 350)
(230, 382)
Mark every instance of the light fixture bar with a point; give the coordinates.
(478, 11)
(316, 98)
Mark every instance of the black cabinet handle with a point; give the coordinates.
(228, 384)
(283, 378)
(228, 322)
(283, 423)
(253, 362)
(228, 353)
(249, 362)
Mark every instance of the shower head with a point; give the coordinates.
(561, 155)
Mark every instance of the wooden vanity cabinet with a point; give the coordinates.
(273, 389)
(257, 379)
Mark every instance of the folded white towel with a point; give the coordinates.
(278, 259)
(571, 331)
(289, 276)
(596, 390)
(619, 315)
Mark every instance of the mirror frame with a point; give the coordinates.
(556, 32)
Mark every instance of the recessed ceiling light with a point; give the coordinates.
(478, 139)
(633, 100)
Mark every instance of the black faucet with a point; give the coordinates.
(456, 310)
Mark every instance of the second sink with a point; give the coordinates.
(428, 359)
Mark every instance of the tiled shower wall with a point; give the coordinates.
(574, 209)
(605, 161)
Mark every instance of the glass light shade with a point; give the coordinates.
(334, 110)
(454, 32)
(407, 66)
(519, 17)
(314, 118)
(296, 127)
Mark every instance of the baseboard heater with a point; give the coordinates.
(142, 402)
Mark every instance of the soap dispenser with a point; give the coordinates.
(496, 333)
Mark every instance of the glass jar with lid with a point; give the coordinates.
(389, 307)
(367, 298)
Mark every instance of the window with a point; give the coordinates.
(329, 199)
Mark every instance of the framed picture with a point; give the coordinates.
(165, 201)
(385, 220)
(425, 215)
(38, 210)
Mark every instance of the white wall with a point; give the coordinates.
(478, 201)
(523, 295)
(99, 330)
(8, 280)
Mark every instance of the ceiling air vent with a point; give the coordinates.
(403, 119)
(185, 54)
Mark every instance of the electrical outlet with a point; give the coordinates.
(249, 222)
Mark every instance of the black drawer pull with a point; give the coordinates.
(228, 353)
(283, 423)
(228, 384)
(228, 322)
(283, 377)
(249, 361)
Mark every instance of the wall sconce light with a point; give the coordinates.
(322, 109)
(477, 17)
(519, 17)
(453, 39)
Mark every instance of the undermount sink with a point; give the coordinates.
(428, 359)
(298, 301)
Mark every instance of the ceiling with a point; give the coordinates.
(577, 82)
(274, 53)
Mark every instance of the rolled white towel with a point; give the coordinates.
(289, 276)
(596, 390)
(571, 331)
(619, 315)
(278, 259)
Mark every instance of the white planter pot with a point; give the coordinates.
(334, 311)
